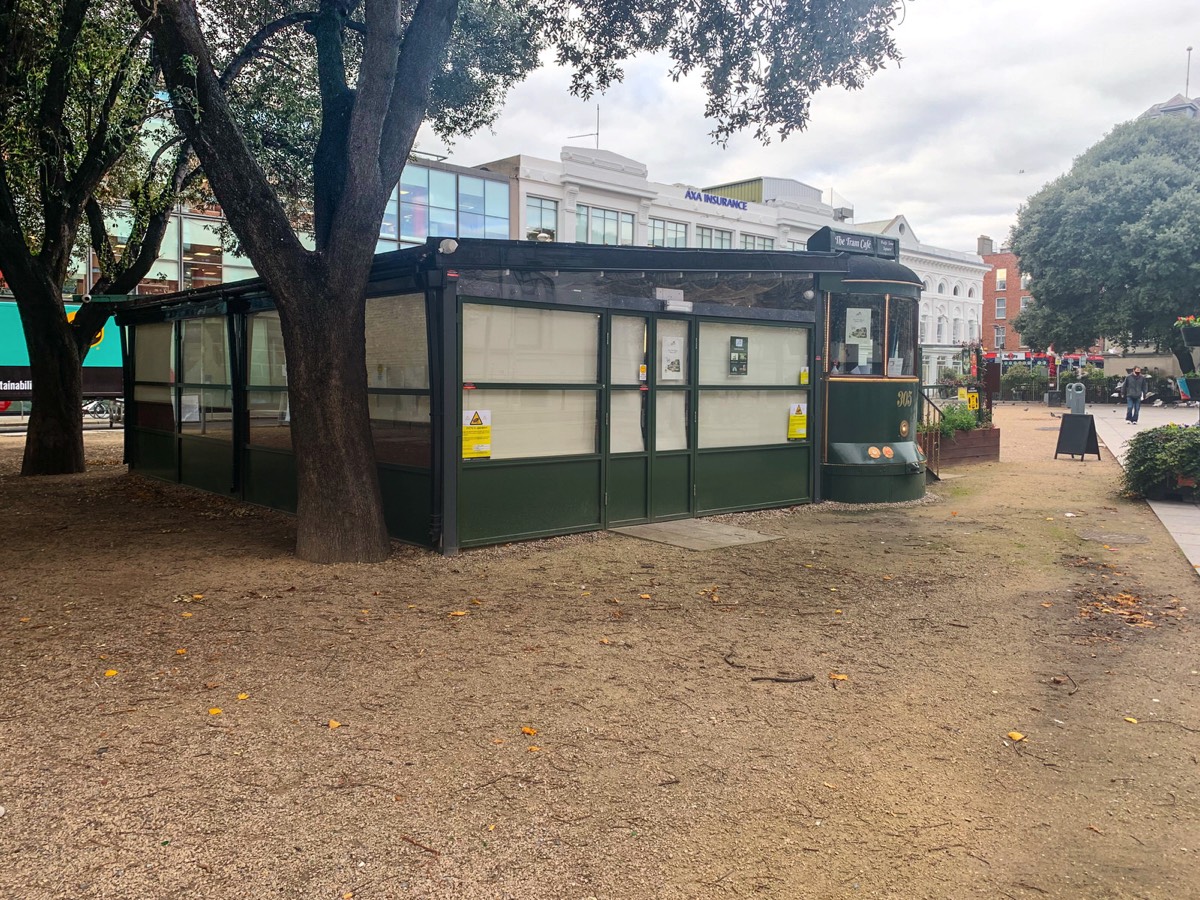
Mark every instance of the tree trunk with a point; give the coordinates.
(54, 438)
(340, 510)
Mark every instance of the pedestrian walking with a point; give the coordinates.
(1134, 389)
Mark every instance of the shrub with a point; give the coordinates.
(1157, 457)
(957, 417)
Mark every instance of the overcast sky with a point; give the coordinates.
(990, 102)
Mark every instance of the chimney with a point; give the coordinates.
(985, 247)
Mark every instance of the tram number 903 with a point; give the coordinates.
(903, 399)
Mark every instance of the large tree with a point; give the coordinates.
(383, 67)
(1112, 245)
(76, 81)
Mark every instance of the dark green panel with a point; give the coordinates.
(499, 502)
(206, 464)
(270, 479)
(627, 490)
(870, 412)
(152, 453)
(746, 479)
(671, 487)
(856, 484)
(407, 504)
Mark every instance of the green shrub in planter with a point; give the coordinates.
(958, 418)
(1157, 459)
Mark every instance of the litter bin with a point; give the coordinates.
(1054, 398)
(1077, 398)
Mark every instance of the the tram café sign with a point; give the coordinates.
(855, 242)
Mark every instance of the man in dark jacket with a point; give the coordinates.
(1134, 389)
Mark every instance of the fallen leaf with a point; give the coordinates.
(832, 787)
(497, 740)
(186, 615)
(334, 723)
(954, 514)
(837, 612)
(197, 596)
(1131, 720)
(605, 641)
(644, 596)
(534, 749)
(364, 611)
(182, 651)
(214, 711)
(477, 602)
(1016, 736)
(349, 895)
(834, 590)
(110, 673)
(808, 565)
(459, 612)
(585, 594)
(887, 577)
(243, 696)
(527, 730)
(491, 828)
(1047, 605)
(24, 618)
(1095, 829)
(834, 676)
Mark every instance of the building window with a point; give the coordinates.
(434, 203)
(667, 234)
(713, 238)
(1001, 306)
(924, 332)
(942, 324)
(1024, 303)
(958, 327)
(1002, 279)
(955, 291)
(1025, 279)
(541, 218)
(797, 246)
(1000, 330)
(941, 287)
(757, 242)
(603, 226)
(970, 293)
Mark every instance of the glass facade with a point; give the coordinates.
(541, 218)
(594, 225)
(667, 234)
(713, 238)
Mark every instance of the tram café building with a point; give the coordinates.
(520, 390)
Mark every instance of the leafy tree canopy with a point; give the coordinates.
(1111, 245)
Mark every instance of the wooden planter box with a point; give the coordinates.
(978, 445)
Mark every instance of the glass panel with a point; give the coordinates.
(206, 411)
(397, 343)
(627, 358)
(672, 364)
(237, 273)
(400, 427)
(205, 351)
(496, 228)
(626, 235)
(471, 225)
(581, 224)
(627, 422)
(746, 418)
(414, 185)
(670, 423)
(442, 192)
(202, 253)
(268, 366)
(153, 407)
(496, 199)
(382, 246)
(537, 423)
(270, 419)
(505, 343)
(387, 228)
(855, 334)
(762, 354)
(470, 194)
(154, 353)
(443, 223)
(901, 343)
(414, 221)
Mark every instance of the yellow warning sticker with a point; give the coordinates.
(477, 434)
(797, 421)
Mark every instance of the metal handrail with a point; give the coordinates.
(929, 418)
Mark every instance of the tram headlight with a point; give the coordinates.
(904, 428)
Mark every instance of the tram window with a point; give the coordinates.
(856, 335)
(901, 342)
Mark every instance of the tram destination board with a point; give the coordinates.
(1077, 437)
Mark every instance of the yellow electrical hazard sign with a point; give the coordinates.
(797, 421)
(477, 434)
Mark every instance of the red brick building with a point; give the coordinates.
(1005, 295)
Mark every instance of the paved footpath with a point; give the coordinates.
(1182, 520)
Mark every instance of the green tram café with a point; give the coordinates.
(520, 390)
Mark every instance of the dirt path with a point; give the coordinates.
(659, 768)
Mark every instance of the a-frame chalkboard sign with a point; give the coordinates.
(1077, 436)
